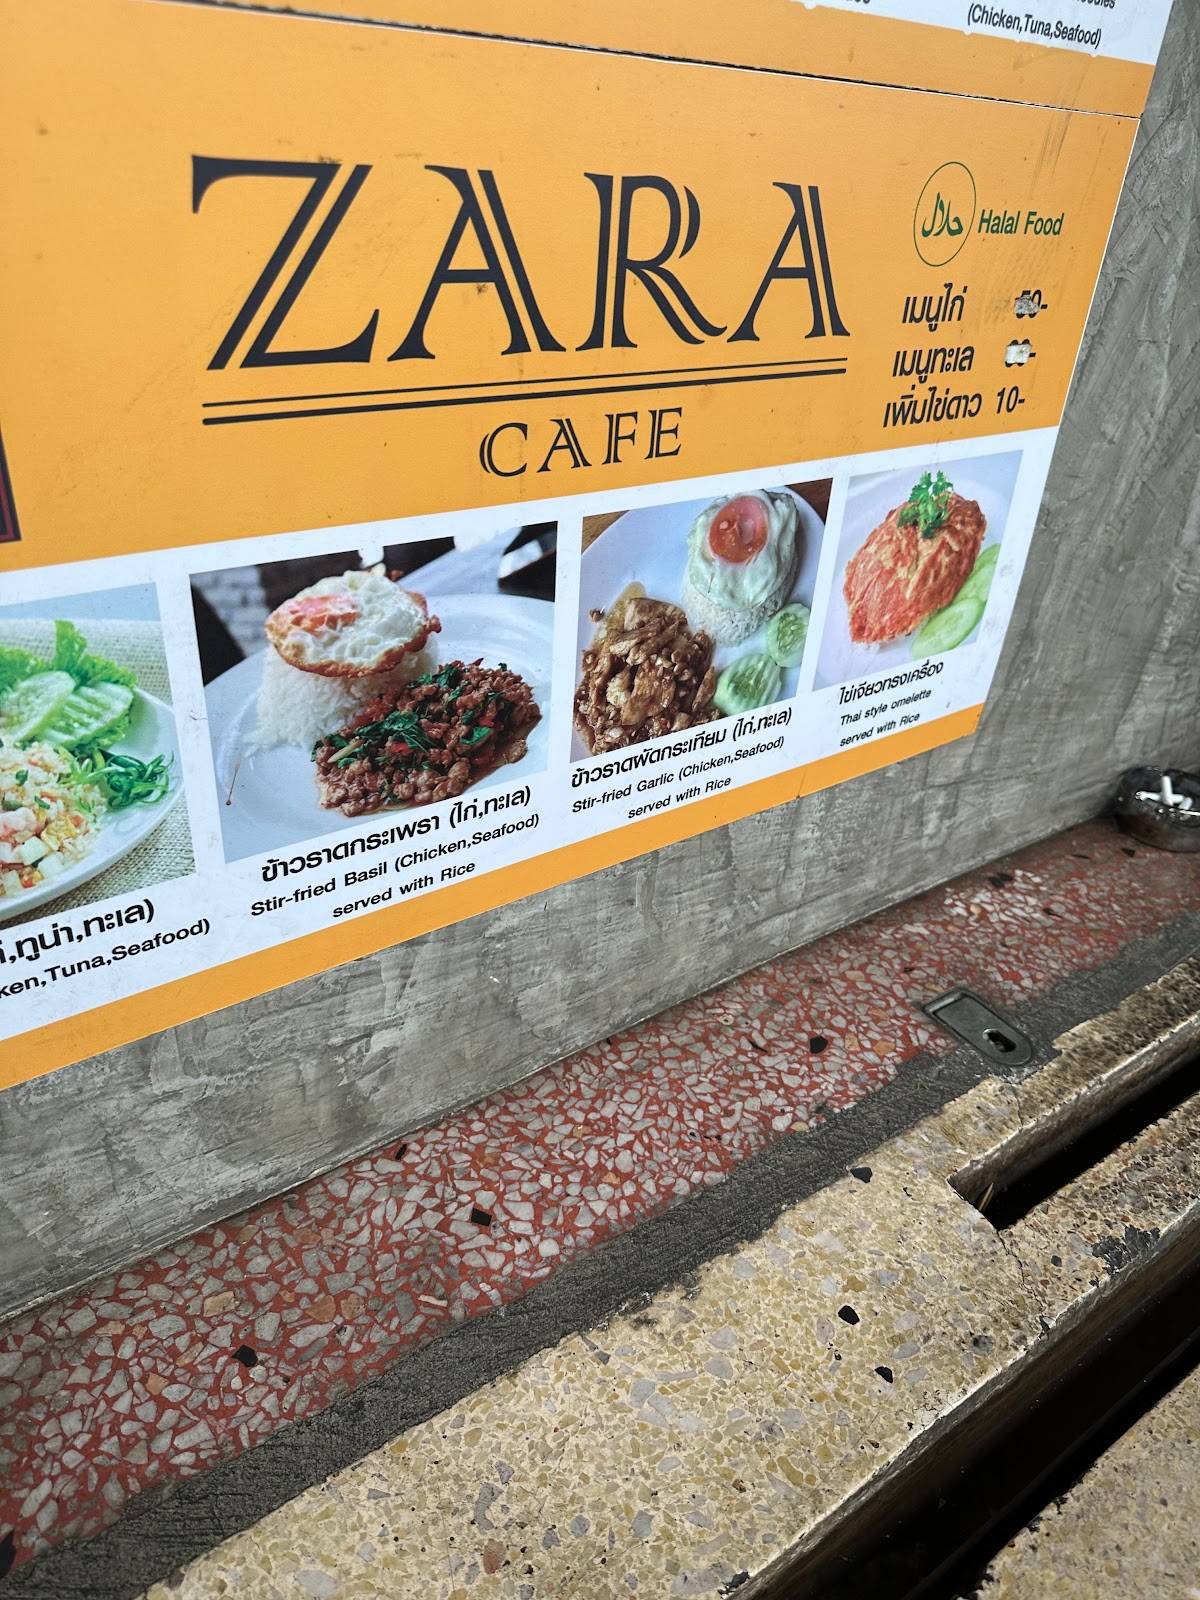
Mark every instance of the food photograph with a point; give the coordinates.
(374, 680)
(916, 560)
(692, 612)
(89, 762)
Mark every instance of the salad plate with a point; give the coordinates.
(52, 770)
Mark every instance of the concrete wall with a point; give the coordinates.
(103, 1160)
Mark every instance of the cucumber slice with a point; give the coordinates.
(25, 706)
(86, 714)
(747, 683)
(979, 583)
(946, 629)
(786, 633)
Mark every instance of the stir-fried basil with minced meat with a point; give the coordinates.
(426, 740)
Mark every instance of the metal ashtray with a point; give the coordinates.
(1160, 807)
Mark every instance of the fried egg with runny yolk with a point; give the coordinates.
(351, 625)
(743, 551)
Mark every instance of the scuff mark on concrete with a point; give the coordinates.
(1118, 1253)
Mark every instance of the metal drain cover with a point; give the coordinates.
(973, 1021)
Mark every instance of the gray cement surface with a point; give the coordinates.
(163, 1532)
(106, 1160)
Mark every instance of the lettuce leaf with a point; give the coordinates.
(72, 655)
(17, 665)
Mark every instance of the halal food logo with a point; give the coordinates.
(945, 214)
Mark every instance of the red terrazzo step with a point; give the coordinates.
(205, 1349)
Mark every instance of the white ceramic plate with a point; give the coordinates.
(988, 481)
(151, 733)
(649, 546)
(269, 800)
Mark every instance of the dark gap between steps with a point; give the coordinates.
(1134, 1373)
(974, 1497)
(1005, 1200)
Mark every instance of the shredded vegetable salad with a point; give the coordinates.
(49, 814)
(61, 776)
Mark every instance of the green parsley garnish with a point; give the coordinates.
(928, 506)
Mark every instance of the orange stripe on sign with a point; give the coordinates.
(43, 1050)
(788, 36)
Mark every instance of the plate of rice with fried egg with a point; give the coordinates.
(368, 697)
(732, 579)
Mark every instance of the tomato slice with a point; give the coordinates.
(315, 611)
(739, 530)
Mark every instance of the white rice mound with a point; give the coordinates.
(732, 624)
(298, 708)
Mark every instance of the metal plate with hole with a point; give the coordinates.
(973, 1021)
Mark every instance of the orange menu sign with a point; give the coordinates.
(1088, 55)
(410, 500)
(302, 298)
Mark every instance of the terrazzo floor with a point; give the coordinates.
(710, 1439)
(204, 1350)
(1130, 1527)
